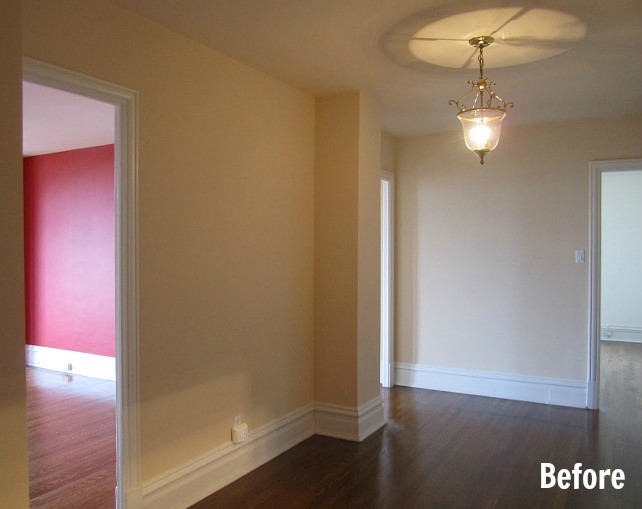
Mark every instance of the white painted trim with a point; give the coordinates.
(349, 423)
(187, 484)
(596, 168)
(553, 391)
(125, 101)
(593, 361)
(387, 369)
(85, 364)
(625, 333)
(591, 395)
(371, 417)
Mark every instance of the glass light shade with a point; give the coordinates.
(482, 128)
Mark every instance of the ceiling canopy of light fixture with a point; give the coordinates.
(521, 35)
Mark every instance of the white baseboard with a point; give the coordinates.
(349, 423)
(553, 391)
(85, 364)
(624, 333)
(132, 499)
(187, 484)
(592, 395)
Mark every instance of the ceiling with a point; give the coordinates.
(55, 121)
(585, 62)
(589, 67)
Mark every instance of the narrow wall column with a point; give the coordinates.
(14, 476)
(347, 265)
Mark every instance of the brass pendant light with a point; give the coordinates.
(481, 122)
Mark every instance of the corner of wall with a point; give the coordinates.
(14, 474)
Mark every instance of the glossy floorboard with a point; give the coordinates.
(72, 441)
(442, 450)
(438, 450)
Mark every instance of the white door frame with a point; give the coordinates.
(387, 375)
(128, 492)
(596, 169)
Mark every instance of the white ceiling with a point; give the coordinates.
(589, 67)
(55, 121)
(331, 46)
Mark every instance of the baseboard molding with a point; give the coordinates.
(132, 499)
(592, 395)
(552, 391)
(184, 486)
(623, 333)
(85, 364)
(349, 423)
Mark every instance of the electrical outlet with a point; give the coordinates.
(240, 432)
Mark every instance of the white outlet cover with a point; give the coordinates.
(239, 433)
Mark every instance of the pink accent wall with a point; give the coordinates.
(70, 250)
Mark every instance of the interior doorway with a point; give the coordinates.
(125, 310)
(615, 272)
(68, 175)
(387, 355)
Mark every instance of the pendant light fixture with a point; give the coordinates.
(481, 122)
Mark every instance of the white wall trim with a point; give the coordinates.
(593, 361)
(349, 423)
(387, 369)
(85, 364)
(553, 391)
(626, 333)
(371, 417)
(596, 168)
(125, 103)
(187, 484)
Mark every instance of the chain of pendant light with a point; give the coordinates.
(480, 59)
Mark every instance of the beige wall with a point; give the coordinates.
(336, 249)
(369, 252)
(14, 477)
(388, 152)
(485, 255)
(226, 222)
(347, 249)
(621, 251)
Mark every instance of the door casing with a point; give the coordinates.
(387, 375)
(596, 169)
(128, 491)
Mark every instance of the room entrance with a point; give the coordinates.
(124, 260)
(616, 277)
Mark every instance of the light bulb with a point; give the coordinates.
(479, 136)
(482, 127)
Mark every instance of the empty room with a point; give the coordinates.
(284, 335)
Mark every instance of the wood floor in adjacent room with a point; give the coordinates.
(438, 450)
(72, 441)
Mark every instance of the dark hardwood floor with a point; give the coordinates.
(72, 441)
(442, 450)
(437, 450)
